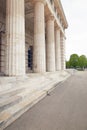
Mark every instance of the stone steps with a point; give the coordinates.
(14, 96)
(9, 93)
(14, 102)
(21, 102)
(12, 113)
(6, 103)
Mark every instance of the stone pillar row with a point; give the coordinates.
(46, 57)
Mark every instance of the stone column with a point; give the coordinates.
(39, 63)
(2, 52)
(57, 49)
(50, 45)
(63, 64)
(15, 37)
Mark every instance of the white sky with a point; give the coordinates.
(76, 14)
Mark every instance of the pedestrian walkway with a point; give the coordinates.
(63, 109)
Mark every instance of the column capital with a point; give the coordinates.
(57, 28)
(50, 17)
(42, 1)
(62, 35)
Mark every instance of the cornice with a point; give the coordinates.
(60, 7)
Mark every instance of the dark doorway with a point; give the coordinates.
(30, 57)
(0, 51)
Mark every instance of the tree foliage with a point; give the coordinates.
(76, 61)
(82, 61)
(67, 64)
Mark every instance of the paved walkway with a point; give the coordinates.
(64, 109)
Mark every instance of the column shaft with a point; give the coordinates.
(63, 64)
(57, 50)
(39, 63)
(15, 37)
(50, 46)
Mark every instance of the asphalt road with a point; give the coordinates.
(64, 109)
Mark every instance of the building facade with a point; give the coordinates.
(32, 36)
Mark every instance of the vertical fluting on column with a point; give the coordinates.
(50, 45)
(2, 52)
(63, 64)
(39, 58)
(57, 49)
(15, 38)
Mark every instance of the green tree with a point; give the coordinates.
(86, 62)
(82, 61)
(74, 61)
(67, 64)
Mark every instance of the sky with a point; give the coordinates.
(76, 34)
